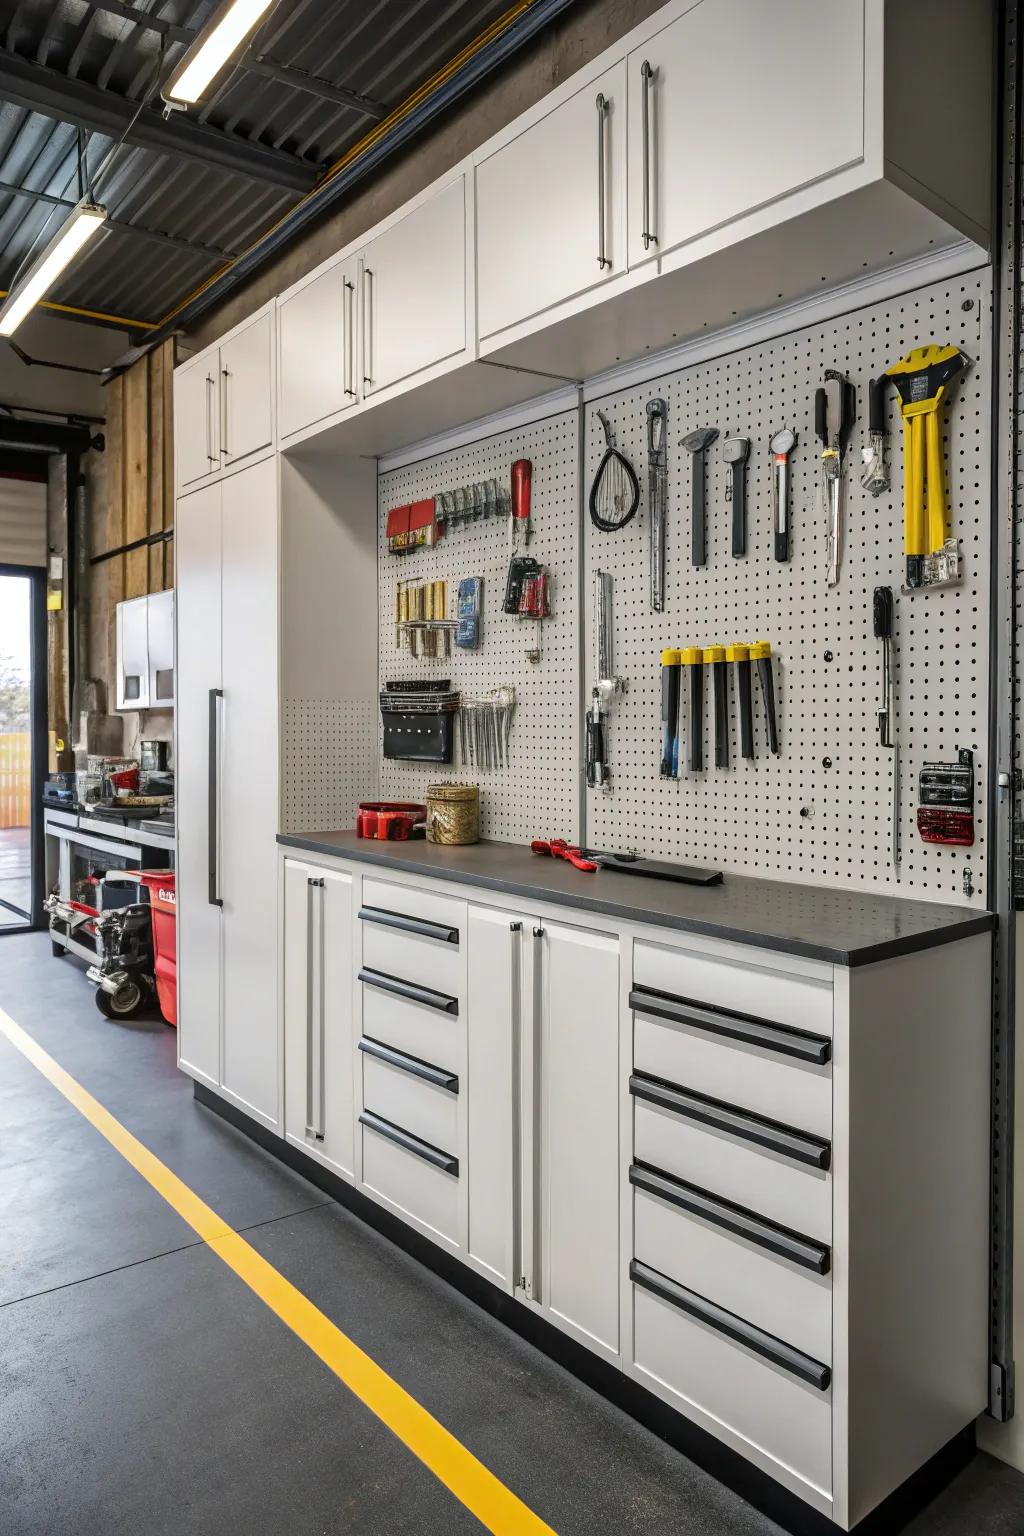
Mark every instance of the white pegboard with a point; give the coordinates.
(328, 762)
(791, 817)
(537, 795)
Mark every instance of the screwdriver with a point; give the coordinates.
(693, 660)
(740, 654)
(882, 621)
(670, 663)
(761, 652)
(714, 657)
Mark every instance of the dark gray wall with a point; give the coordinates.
(580, 34)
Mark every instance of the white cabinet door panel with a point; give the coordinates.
(541, 238)
(317, 362)
(414, 291)
(747, 102)
(494, 989)
(248, 799)
(246, 398)
(197, 539)
(196, 444)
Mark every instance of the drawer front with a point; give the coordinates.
(416, 902)
(417, 1188)
(396, 1094)
(792, 1194)
(413, 1027)
(753, 1077)
(740, 986)
(774, 1293)
(428, 957)
(767, 1406)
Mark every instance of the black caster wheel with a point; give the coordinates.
(56, 950)
(125, 1003)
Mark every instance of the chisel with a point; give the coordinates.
(714, 657)
(761, 652)
(740, 654)
(670, 664)
(693, 661)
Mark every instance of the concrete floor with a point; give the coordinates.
(145, 1390)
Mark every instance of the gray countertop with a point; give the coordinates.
(819, 922)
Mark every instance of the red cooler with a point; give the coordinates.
(160, 883)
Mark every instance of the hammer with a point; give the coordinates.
(697, 443)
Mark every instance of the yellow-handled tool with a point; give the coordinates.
(921, 379)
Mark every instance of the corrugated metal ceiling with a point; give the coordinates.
(92, 56)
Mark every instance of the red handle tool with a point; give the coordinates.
(558, 848)
(522, 481)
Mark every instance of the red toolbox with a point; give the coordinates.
(160, 883)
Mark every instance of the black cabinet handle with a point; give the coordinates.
(764, 1344)
(213, 801)
(425, 995)
(409, 924)
(732, 1218)
(411, 1143)
(771, 1037)
(797, 1145)
(410, 1064)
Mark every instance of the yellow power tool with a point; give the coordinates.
(921, 379)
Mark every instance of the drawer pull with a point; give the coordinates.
(410, 1064)
(411, 1143)
(425, 995)
(732, 1218)
(409, 924)
(770, 1037)
(764, 1344)
(798, 1145)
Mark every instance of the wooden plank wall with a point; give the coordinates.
(139, 499)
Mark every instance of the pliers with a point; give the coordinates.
(558, 848)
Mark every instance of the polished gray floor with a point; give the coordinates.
(145, 1390)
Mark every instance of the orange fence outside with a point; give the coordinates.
(15, 779)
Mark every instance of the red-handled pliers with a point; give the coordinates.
(558, 848)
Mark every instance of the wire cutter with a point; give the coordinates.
(558, 848)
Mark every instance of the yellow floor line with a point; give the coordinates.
(494, 1505)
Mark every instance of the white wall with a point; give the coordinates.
(64, 341)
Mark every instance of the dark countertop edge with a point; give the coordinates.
(974, 923)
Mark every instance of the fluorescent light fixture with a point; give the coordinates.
(221, 38)
(78, 228)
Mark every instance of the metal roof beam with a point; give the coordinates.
(36, 89)
(301, 80)
(144, 19)
(7, 189)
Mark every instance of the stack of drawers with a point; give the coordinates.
(732, 1198)
(412, 1047)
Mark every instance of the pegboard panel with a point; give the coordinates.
(538, 794)
(328, 763)
(820, 811)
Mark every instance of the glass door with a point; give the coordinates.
(22, 743)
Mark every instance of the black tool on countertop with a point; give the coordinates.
(714, 657)
(693, 661)
(636, 864)
(696, 444)
(761, 652)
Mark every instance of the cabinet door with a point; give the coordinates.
(245, 391)
(576, 983)
(248, 789)
(132, 654)
(197, 548)
(551, 207)
(160, 648)
(317, 364)
(318, 1061)
(196, 421)
(746, 103)
(413, 302)
(495, 992)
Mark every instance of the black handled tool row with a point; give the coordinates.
(692, 661)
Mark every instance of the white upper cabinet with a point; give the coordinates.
(737, 103)
(318, 373)
(196, 420)
(413, 298)
(551, 207)
(246, 396)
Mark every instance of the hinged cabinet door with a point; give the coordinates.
(551, 207)
(318, 364)
(735, 104)
(196, 421)
(413, 291)
(245, 391)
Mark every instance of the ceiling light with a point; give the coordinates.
(78, 228)
(219, 40)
